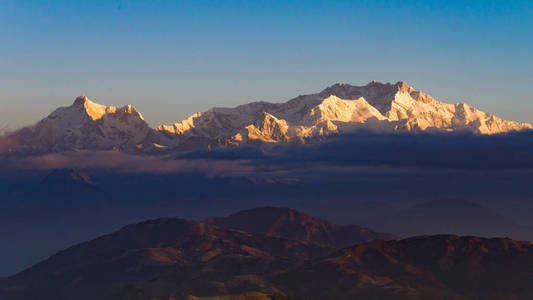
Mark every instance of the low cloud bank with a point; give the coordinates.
(239, 153)
(449, 151)
(362, 152)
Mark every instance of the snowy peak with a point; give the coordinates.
(84, 112)
(339, 109)
(96, 111)
(379, 95)
(85, 125)
(334, 108)
(81, 100)
(268, 128)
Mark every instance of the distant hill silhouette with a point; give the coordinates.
(292, 224)
(179, 258)
(445, 216)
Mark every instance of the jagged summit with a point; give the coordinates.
(340, 108)
(80, 100)
(97, 111)
(374, 84)
(378, 94)
(85, 125)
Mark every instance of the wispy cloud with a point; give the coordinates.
(125, 163)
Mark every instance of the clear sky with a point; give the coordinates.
(174, 58)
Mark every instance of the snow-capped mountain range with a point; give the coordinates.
(341, 108)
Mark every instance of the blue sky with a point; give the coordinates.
(174, 58)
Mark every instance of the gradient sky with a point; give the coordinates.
(173, 59)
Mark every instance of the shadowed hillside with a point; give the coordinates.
(184, 259)
(292, 224)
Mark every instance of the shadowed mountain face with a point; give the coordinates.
(292, 224)
(426, 267)
(153, 249)
(171, 257)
